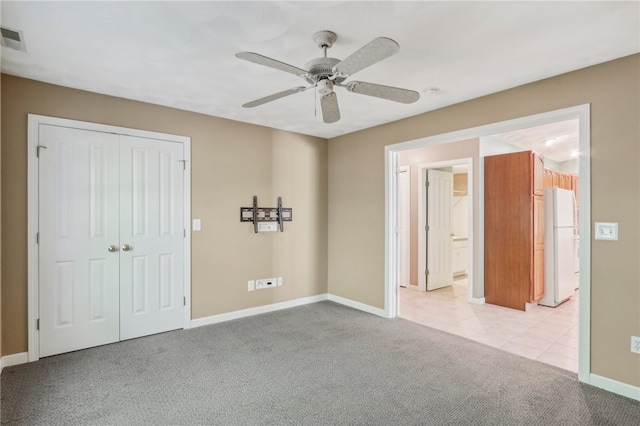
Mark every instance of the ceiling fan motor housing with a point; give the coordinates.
(321, 69)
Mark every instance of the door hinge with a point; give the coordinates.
(184, 301)
(184, 233)
(37, 238)
(38, 324)
(184, 164)
(38, 148)
(426, 273)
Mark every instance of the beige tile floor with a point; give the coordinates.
(545, 334)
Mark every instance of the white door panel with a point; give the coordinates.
(439, 234)
(151, 271)
(78, 289)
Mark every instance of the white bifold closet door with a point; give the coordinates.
(110, 238)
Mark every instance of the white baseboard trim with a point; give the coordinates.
(477, 300)
(357, 305)
(14, 359)
(615, 386)
(215, 319)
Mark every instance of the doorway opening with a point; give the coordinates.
(445, 223)
(487, 145)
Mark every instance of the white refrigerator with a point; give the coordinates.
(560, 232)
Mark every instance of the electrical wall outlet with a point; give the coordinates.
(635, 344)
(267, 227)
(252, 285)
(266, 283)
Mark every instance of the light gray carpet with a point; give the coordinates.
(320, 364)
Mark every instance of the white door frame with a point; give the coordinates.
(34, 121)
(422, 204)
(405, 211)
(580, 112)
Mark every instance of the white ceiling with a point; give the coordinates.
(557, 141)
(181, 54)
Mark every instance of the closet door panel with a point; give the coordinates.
(151, 236)
(78, 222)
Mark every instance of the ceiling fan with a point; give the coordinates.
(325, 73)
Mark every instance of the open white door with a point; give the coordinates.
(439, 229)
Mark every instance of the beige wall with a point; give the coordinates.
(356, 196)
(434, 154)
(231, 162)
(234, 161)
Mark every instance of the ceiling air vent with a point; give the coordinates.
(12, 39)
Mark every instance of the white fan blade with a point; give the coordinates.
(384, 92)
(330, 110)
(274, 97)
(375, 51)
(268, 62)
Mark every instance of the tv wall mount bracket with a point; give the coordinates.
(257, 214)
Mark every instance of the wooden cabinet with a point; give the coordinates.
(561, 180)
(564, 181)
(513, 229)
(459, 256)
(548, 177)
(558, 179)
(460, 184)
(537, 178)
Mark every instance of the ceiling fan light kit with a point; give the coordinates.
(325, 73)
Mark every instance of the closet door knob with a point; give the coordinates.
(126, 247)
(112, 248)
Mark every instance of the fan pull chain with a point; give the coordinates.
(315, 102)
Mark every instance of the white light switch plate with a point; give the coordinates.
(607, 231)
(197, 225)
